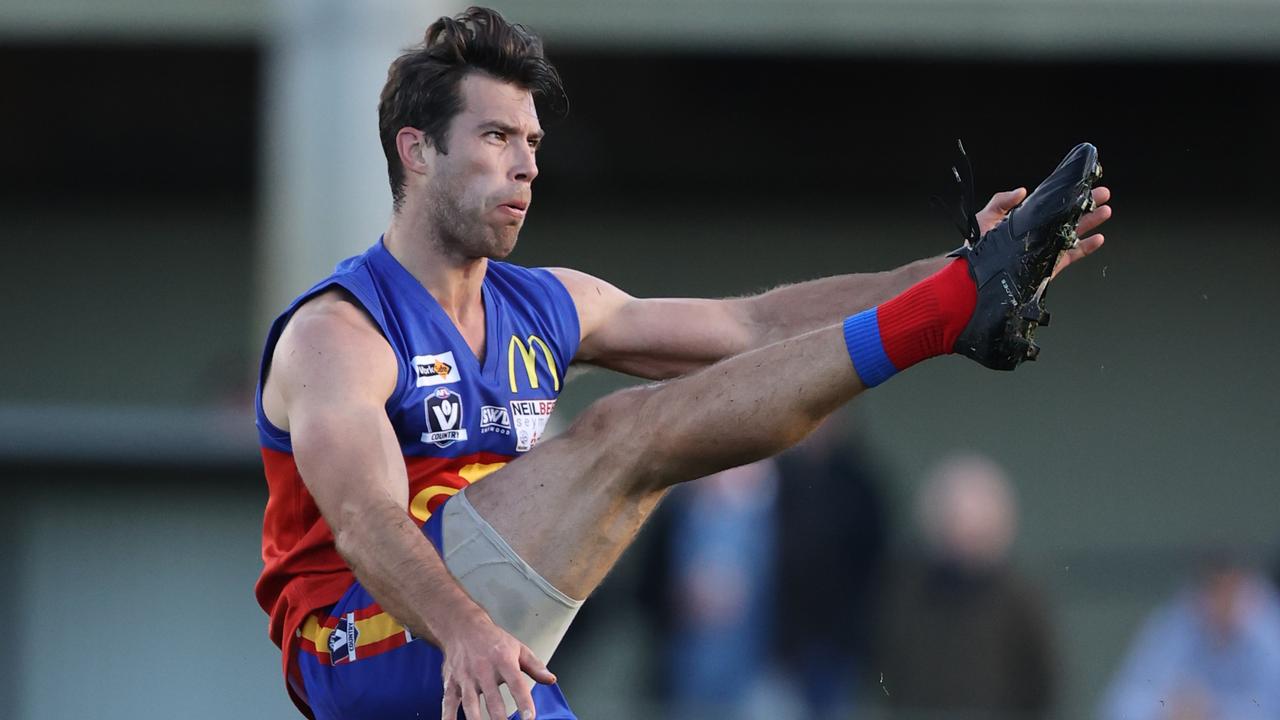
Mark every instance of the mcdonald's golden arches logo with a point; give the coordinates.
(530, 358)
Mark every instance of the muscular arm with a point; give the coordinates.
(331, 375)
(662, 338)
(335, 377)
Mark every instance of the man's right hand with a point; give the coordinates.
(478, 658)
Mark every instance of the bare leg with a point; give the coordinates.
(574, 503)
(571, 506)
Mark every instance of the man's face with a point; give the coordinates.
(478, 194)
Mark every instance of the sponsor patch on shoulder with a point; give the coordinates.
(436, 369)
(529, 419)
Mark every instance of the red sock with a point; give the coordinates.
(925, 320)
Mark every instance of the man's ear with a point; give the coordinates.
(412, 145)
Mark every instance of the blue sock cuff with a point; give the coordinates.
(862, 337)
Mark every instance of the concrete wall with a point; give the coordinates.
(131, 595)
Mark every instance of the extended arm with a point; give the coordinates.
(661, 338)
(665, 337)
(331, 376)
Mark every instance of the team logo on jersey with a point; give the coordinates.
(342, 640)
(529, 358)
(444, 418)
(435, 369)
(529, 418)
(495, 419)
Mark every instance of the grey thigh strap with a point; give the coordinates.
(518, 599)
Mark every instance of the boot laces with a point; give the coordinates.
(963, 212)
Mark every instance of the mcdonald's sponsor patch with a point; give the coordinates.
(529, 355)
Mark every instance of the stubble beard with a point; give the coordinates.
(463, 233)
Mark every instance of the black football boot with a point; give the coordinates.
(1012, 263)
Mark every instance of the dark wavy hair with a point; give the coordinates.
(422, 89)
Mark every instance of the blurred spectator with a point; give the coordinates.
(831, 541)
(722, 573)
(1275, 571)
(1210, 653)
(962, 634)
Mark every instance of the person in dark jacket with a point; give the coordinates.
(963, 634)
(831, 515)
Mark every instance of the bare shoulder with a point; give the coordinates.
(332, 316)
(586, 286)
(595, 300)
(329, 349)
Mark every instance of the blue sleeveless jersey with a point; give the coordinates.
(457, 419)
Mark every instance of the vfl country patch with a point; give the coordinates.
(444, 418)
(495, 419)
(435, 369)
(342, 641)
(529, 419)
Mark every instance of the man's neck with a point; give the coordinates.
(454, 281)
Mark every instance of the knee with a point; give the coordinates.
(614, 418)
(617, 433)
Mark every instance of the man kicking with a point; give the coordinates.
(426, 364)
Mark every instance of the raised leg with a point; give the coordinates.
(574, 503)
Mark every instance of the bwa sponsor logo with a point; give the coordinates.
(439, 369)
(495, 419)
